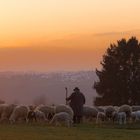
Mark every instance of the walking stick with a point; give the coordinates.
(66, 95)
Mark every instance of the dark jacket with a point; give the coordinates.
(77, 100)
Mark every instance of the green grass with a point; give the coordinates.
(80, 132)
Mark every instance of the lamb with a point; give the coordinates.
(89, 112)
(64, 108)
(127, 109)
(116, 108)
(135, 108)
(20, 113)
(31, 116)
(40, 116)
(49, 111)
(5, 111)
(135, 116)
(62, 118)
(109, 111)
(100, 117)
(121, 117)
(115, 117)
(100, 109)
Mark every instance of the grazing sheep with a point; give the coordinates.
(89, 112)
(116, 108)
(5, 111)
(121, 118)
(49, 111)
(135, 108)
(135, 116)
(115, 116)
(31, 116)
(62, 118)
(109, 111)
(100, 117)
(127, 109)
(100, 109)
(40, 116)
(64, 108)
(20, 113)
(32, 107)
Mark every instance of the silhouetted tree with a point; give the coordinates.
(119, 78)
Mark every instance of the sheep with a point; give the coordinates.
(100, 117)
(62, 118)
(5, 111)
(40, 116)
(32, 107)
(89, 112)
(64, 108)
(31, 116)
(116, 108)
(100, 109)
(121, 116)
(135, 116)
(49, 111)
(115, 116)
(127, 109)
(109, 111)
(135, 108)
(20, 113)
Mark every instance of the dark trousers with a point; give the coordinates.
(77, 119)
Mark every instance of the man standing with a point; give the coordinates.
(77, 100)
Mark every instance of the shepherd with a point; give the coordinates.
(77, 100)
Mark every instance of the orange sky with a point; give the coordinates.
(62, 34)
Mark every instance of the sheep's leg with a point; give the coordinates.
(67, 123)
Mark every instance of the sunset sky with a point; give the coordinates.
(51, 35)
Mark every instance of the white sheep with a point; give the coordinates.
(40, 116)
(121, 118)
(89, 112)
(64, 108)
(100, 109)
(135, 108)
(116, 108)
(135, 116)
(100, 117)
(115, 116)
(19, 113)
(5, 111)
(62, 118)
(49, 111)
(109, 111)
(127, 109)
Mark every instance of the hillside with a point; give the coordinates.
(26, 87)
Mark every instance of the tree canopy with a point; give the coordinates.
(119, 78)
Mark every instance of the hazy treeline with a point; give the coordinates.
(28, 88)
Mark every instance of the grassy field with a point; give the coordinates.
(81, 132)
